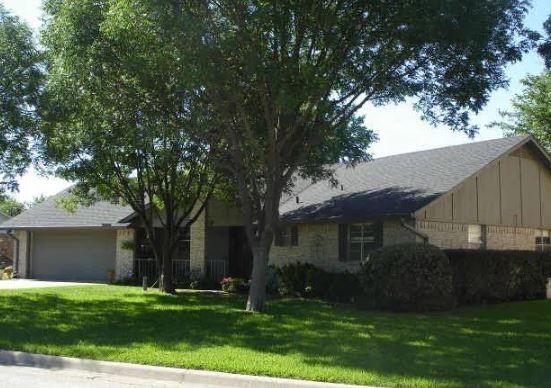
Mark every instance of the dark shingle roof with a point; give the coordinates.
(393, 185)
(49, 214)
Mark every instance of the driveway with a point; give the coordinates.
(18, 284)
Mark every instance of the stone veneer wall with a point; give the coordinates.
(456, 236)
(124, 258)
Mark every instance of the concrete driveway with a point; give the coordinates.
(19, 284)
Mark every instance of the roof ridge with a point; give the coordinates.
(519, 137)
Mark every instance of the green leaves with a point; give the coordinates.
(531, 113)
(20, 82)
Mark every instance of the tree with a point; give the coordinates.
(531, 113)
(20, 80)
(118, 118)
(286, 79)
(11, 206)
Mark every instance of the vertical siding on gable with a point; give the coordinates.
(530, 186)
(513, 191)
(510, 191)
(488, 196)
(441, 209)
(464, 203)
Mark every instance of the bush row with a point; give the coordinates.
(489, 276)
(306, 280)
(421, 277)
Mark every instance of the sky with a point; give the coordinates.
(399, 127)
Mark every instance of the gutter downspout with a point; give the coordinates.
(16, 258)
(413, 230)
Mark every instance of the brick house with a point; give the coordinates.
(493, 194)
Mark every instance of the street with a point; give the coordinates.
(24, 377)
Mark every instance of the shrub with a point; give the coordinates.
(272, 280)
(408, 277)
(491, 276)
(307, 280)
(546, 264)
(8, 272)
(295, 279)
(234, 285)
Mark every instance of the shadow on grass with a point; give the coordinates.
(508, 343)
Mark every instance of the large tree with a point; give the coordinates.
(118, 117)
(286, 79)
(20, 80)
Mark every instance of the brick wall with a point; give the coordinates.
(198, 244)
(318, 244)
(456, 236)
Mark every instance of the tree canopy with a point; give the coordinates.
(119, 118)
(20, 80)
(287, 79)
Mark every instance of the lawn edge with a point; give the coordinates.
(17, 358)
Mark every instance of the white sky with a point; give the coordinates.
(399, 127)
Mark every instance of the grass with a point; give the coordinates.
(499, 345)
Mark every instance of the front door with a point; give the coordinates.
(240, 254)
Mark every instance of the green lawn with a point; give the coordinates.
(503, 345)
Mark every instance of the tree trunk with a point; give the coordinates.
(168, 281)
(257, 292)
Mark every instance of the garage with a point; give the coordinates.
(72, 254)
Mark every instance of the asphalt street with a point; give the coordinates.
(25, 377)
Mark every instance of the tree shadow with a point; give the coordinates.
(509, 343)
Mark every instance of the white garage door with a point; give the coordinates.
(73, 254)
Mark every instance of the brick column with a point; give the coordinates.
(198, 250)
(124, 259)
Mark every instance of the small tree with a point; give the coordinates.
(11, 206)
(20, 80)
(117, 118)
(531, 113)
(286, 79)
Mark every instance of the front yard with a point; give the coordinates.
(502, 345)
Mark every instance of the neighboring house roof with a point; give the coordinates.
(49, 214)
(4, 217)
(394, 185)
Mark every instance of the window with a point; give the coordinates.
(184, 244)
(144, 250)
(543, 240)
(286, 236)
(362, 238)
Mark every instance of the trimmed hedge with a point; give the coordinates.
(492, 276)
(408, 277)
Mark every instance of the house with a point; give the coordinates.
(493, 194)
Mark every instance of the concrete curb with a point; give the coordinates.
(156, 372)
